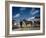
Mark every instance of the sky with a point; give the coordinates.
(20, 13)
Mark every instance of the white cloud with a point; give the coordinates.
(30, 18)
(35, 12)
(32, 10)
(22, 9)
(17, 15)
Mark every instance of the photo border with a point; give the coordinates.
(7, 3)
(30, 31)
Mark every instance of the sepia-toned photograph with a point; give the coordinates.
(25, 18)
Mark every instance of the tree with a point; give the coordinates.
(21, 24)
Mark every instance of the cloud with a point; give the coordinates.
(30, 18)
(21, 9)
(32, 10)
(17, 15)
(35, 12)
